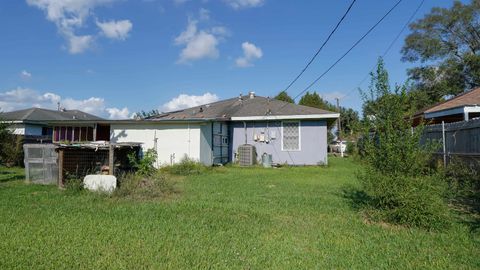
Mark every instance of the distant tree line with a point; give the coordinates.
(349, 117)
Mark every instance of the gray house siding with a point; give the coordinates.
(206, 144)
(313, 141)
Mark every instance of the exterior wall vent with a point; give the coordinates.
(246, 155)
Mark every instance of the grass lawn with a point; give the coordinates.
(287, 218)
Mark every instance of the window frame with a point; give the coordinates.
(299, 135)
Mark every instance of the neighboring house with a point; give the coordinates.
(460, 108)
(42, 125)
(211, 133)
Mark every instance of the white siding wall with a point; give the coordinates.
(177, 139)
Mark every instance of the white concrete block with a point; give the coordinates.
(104, 183)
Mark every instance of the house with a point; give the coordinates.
(43, 125)
(459, 108)
(211, 133)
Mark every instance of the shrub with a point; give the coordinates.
(406, 200)
(398, 181)
(186, 166)
(145, 165)
(11, 149)
(136, 186)
(352, 148)
(463, 176)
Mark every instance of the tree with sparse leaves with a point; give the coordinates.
(146, 114)
(399, 185)
(446, 45)
(283, 96)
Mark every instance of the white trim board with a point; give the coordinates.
(457, 110)
(286, 117)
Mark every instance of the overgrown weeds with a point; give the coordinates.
(73, 185)
(405, 200)
(463, 178)
(185, 167)
(144, 165)
(140, 187)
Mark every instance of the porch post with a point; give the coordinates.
(111, 151)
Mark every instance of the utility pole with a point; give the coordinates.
(339, 127)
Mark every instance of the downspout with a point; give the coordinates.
(245, 130)
(188, 140)
(212, 141)
(155, 146)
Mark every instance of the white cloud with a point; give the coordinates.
(333, 95)
(187, 101)
(116, 29)
(25, 75)
(79, 44)
(240, 4)
(115, 113)
(199, 44)
(204, 14)
(21, 98)
(69, 16)
(250, 54)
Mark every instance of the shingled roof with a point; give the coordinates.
(470, 98)
(45, 115)
(245, 106)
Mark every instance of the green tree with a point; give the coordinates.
(349, 121)
(283, 96)
(397, 179)
(349, 117)
(380, 83)
(11, 152)
(446, 45)
(314, 100)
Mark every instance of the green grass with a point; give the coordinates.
(11, 174)
(287, 218)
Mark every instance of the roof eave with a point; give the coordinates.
(287, 117)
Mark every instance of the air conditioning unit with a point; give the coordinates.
(246, 155)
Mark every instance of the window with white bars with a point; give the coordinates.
(290, 136)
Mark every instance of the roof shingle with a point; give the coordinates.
(470, 98)
(244, 107)
(45, 115)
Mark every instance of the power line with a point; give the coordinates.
(389, 47)
(349, 50)
(323, 45)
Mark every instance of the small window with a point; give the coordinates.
(290, 136)
(225, 140)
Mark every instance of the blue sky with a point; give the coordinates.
(113, 58)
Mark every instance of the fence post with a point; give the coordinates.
(111, 153)
(444, 145)
(60, 168)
